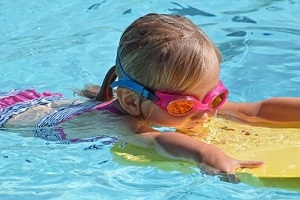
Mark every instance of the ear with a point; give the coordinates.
(129, 101)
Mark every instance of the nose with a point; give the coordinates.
(204, 115)
(212, 114)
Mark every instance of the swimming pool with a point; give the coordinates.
(61, 45)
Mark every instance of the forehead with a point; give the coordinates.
(207, 83)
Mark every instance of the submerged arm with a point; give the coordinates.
(275, 112)
(179, 146)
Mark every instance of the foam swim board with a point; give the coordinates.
(281, 169)
(279, 148)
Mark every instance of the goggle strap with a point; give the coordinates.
(120, 67)
(130, 84)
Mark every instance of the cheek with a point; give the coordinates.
(148, 109)
(158, 116)
(162, 118)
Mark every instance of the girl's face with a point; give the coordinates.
(191, 120)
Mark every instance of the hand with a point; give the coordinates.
(218, 163)
(228, 175)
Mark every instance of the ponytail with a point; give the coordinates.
(106, 92)
(97, 92)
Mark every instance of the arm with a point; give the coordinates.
(173, 145)
(209, 158)
(179, 146)
(275, 112)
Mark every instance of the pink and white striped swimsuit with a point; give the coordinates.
(15, 102)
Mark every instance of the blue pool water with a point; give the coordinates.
(61, 45)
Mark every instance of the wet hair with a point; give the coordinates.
(162, 51)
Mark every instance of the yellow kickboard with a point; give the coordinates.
(279, 148)
(279, 163)
(281, 169)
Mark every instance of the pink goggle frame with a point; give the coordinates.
(178, 104)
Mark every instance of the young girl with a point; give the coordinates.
(168, 75)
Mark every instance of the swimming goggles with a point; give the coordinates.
(174, 103)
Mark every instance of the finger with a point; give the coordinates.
(230, 178)
(251, 164)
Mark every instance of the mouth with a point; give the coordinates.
(199, 123)
(194, 126)
(191, 126)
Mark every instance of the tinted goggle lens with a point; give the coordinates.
(183, 106)
(180, 106)
(218, 100)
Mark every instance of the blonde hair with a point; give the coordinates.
(163, 51)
